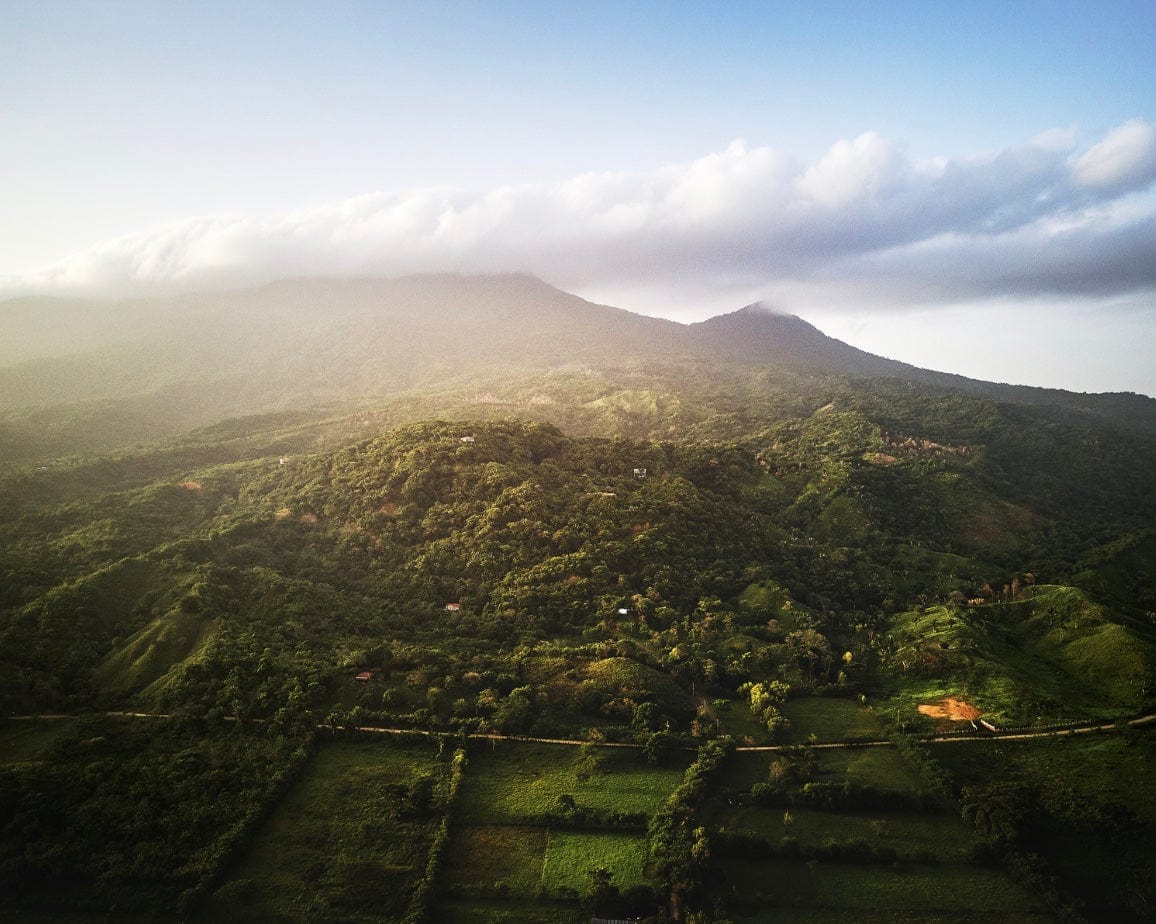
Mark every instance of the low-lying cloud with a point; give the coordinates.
(1041, 218)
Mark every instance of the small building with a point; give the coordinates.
(364, 676)
(640, 473)
(468, 439)
(453, 607)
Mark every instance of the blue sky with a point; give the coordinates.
(908, 176)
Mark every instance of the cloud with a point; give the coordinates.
(1125, 159)
(1036, 218)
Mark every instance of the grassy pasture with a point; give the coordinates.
(881, 767)
(739, 722)
(570, 855)
(495, 860)
(509, 783)
(944, 836)
(829, 719)
(339, 846)
(786, 891)
(508, 911)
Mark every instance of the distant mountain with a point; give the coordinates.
(760, 334)
(134, 370)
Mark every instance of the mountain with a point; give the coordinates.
(759, 334)
(87, 375)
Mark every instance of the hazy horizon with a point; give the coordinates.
(968, 190)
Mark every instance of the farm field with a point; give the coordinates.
(509, 911)
(881, 767)
(348, 842)
(495, 860)
(502, 850)
(139, 797)
(829, 719)
(514, 782)
(797, 891)
(910, 834)
(570, 855)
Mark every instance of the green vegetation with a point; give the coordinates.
(140, 814)
(518, 783)
(652, 554)
(570, 856)
(349, 841)
(830, 719)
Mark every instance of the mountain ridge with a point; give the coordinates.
(193, 359)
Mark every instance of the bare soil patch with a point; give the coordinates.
(951, 708)
(191, 485)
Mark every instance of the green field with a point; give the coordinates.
(910, 835)
(509, 911)
(881, 767)
(135, 813)
(786, 891)
(495, 860)
(513, 782)
(342, 844)
(571, 855)
(527, 863)
(829, 719)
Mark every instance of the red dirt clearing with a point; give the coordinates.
(950, 707)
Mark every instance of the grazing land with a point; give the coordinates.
(350, 841)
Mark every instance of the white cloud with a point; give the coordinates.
(1125, 159)
(852, 171)
(861, 221)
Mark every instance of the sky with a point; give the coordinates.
(965, 186)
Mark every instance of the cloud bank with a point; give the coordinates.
(1042, 218)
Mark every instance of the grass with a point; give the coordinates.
(495, 860)
(880, 767)
(571, 855)
(830, 719)
(152, 651)
(509, 911)
(739, 722)
(510, 783)
(942, 836)
(1052, 655)
(338, 846)
(838, 891)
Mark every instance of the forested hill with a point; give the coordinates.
(77, 376)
